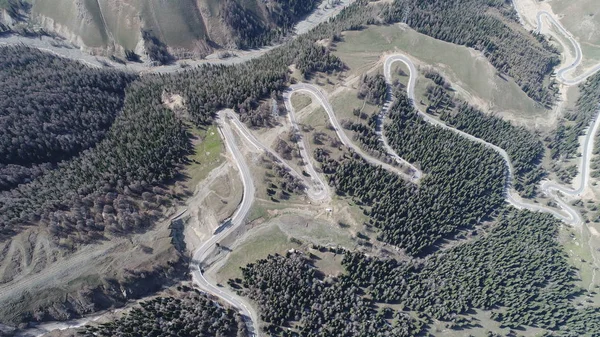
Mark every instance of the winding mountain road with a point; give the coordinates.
(237, 219)
(202, 253)
(565, 69)
(550, 187)
(322, 99)
(316, 188)
(573, 217)
(560, 73)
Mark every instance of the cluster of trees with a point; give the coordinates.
(51, 109)
(239, 86)
(251, 31)
(438, 94)
(464, 182)
(284, 149)
(365, 134)
(131, 56)
(285, 13)
(296, 300)
(15, 8)
(280, 182)
(4, 29)
(436, 77)
(156, 50)
(317, 58)
(564, 142)
(262, 116)
(354, 17)
(242, 86)
(523, 147)
(188, 313)
(519, 271)
(488, 26)
(439, 100)
(113, 187)
(373, 89)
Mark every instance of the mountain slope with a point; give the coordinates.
(196, 26)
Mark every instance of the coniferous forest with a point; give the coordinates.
(90, 154)
(416, 217)
(251, 32)
(142, 147)
(52, 109)
(188, 313)
(518, 272)
(564, 141)
(486, 26)
(524, 148)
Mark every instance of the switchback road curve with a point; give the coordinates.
(237, 219)
(316, 188)
(565, 69)
(315, 92)
(573, 218)
(560, 73)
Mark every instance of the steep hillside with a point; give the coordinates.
(54, 114)
(196, 26)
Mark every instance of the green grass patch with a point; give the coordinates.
(399, 68)
(579, 254)
(257, 212)
(316, 118)
(581, 18)
(300, 101)
(345, 102)
(361, 50)
(267, 240)
(319, 232)
(207, 155)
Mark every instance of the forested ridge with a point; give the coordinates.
(51, 110)
(241, 86)
(519, 268)
(316, 305)
(518, 271)
(115, 187)
(97, 191)
(522, 146)
(463, 185)
(490, 27)
(187, 313)
(251, 32)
